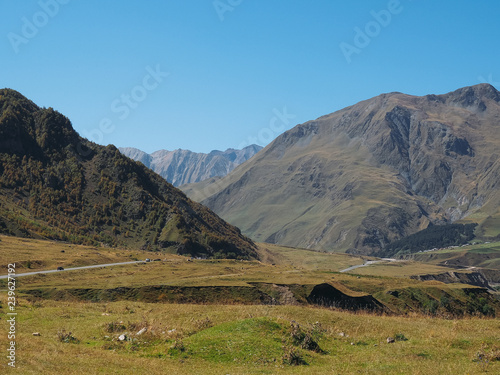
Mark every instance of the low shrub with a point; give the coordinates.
(67, 337)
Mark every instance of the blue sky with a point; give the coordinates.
(204, 74)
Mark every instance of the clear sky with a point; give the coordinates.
(204, 74)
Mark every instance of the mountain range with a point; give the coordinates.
(55, 184)
(181, 167)
(364, 176)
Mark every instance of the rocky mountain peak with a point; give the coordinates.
(376, 171)
(473, 96)
(180, 167)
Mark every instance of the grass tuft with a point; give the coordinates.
(400, 337)
(67, 337)
(293, 357)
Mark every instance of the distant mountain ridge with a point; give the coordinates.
(180, 167)
(55, 184)
(369, 174)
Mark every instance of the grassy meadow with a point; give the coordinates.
(237, 339)
(240, 335)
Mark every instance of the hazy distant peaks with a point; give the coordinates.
(181, 167)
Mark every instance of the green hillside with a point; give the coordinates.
(55, 184)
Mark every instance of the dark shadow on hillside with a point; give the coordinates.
(328, 296)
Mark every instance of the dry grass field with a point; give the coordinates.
(237, 339)
(239, 336)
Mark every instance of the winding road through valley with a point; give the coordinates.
(70, 269)
(369, 262)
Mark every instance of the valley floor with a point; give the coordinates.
(257, 318)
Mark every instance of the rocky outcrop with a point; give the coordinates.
(471, 278)
(493, 276)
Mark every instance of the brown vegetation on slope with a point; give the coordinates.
(55, 184)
